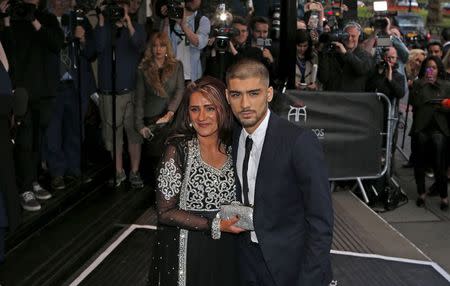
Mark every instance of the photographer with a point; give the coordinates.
(260, 28)
(346, 66)
(385, 77)
(189, 36)
(128, 37)
(238, 47)
(35, 39)
(63, 148)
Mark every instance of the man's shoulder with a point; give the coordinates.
(284, 128)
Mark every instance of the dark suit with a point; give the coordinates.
(293, 213)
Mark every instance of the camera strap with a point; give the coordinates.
(197, 18)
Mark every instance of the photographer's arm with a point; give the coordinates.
(198, 39)
(360, 61)
(50, 32)
(402, 50)
(397, 85)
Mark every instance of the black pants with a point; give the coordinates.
(252, 265)
(29, 142)
(431, 145)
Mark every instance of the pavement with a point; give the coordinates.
(429, 227)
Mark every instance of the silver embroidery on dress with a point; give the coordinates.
(204, 188)
(169, 180)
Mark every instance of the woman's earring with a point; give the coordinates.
(190, 124)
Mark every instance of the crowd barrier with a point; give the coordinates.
(355, 130)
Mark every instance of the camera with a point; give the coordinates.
(18, 10)
(175, 9)
(223, 36)
(223, 31)
(263, 43)
(113, 12)
(334, 36)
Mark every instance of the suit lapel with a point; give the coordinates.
(267, 158)
(234, 152)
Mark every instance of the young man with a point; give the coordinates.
(282, 173)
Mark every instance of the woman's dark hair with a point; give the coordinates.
(439, 64)
(302, 36)
(214, 90)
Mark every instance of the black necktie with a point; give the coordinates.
(248, 148)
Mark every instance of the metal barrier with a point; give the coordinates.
(301, 101)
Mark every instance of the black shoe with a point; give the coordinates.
(57, 183)
(420, 202)
(444, 206)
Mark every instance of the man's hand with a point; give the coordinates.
(389, 69)
(80, 34)
(164, 10)
(339, 47)
(228, 225)
(268, 55)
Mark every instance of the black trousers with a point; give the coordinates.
(29, 140)
(252, 266)
(432, 145)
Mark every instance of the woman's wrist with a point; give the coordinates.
(215, 228)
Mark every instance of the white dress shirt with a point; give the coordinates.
(253, 162)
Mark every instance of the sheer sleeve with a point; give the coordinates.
(169, 184)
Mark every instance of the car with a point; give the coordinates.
(446, 9)
(412, 27)
(406, 3)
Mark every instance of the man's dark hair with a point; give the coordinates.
(302, 36)
(248, 68)
(259, 19)
(445, 34)
(239, 20)
(434, 43)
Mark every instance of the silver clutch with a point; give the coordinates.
(245, 214)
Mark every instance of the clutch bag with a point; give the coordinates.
(245, 214)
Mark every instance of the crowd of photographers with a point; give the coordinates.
(146, 53)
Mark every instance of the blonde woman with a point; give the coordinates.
(160, 86)
(416, 57)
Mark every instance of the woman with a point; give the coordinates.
(196, 177)
(306, 64)
(416, 57)
(430, 128)
(159, 89)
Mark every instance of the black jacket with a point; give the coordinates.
(423, 98)
(32, 52)
(348, 72)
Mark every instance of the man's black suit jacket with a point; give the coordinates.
(293, 213)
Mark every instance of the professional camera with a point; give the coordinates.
(222, 31)
(18, 10)
(334, 36)
(380, 23)
(223, 36)
(113, 12)
(175, 9)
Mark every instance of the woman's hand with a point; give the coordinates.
(228, 225)
(166, 118)
(312, 86)
(145, 132)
